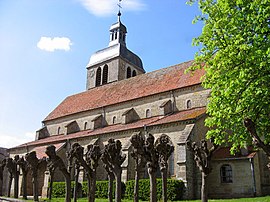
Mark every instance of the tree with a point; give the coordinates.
(202, 157)
(152, 158)
(137, 142)
(235, 53)
(54, 161)
(34, 165)
(113, 159)
(164, 148)
(25, 168)
(90, 164)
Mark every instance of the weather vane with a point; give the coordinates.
(119, 4)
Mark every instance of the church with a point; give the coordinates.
(121, 99)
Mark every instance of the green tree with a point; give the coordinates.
(235, 53)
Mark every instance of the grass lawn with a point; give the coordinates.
(257, 199)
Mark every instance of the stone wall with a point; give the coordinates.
(241, 185)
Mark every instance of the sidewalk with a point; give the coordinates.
(10, 199)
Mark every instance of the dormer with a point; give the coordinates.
(166, 107)
(98, 122)
(42, 133)
(129, 116)
(72, 127)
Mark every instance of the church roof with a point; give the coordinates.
(117, 50)
(143, 85)
(184, 115)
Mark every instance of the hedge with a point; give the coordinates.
(175, 189)
(101, 189)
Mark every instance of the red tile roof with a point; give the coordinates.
(129, 89)
(223, 153)
(158, 120)
(40, 150)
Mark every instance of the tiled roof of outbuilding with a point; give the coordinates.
(224, 153)
(185, 115)
(129, 89)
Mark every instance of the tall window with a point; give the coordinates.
(128, 72)
(105, 74)
(148, 113)
(98, 77)
(85, 125)
(114, 120)
(58, 130)
(134, 73)
(188, 104)
(226, 173)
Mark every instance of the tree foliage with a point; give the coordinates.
(235, 53)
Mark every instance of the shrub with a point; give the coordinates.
(59, 189)
(174, 191)
(101, 189)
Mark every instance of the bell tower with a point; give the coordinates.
(115, 62)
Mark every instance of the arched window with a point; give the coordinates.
(112, 36)
(226, 173)
(114, 120)
(105, 74)
(85, 126)
(148, 113)
(188, 104)
(115, 35)
(134, 73)
(98, 77)
(128, 72)
(58, 130)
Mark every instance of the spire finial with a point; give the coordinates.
(119, 11)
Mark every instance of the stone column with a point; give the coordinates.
(46, 183)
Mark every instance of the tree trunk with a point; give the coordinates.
(117, 175)
(68, 188)
(75, 193)
(136, 186)
(1, 186)
(164, 185)
(204, 189)
(16, 185)
(93, 187)
(9, 184)
(24, 184)
(35, 186)
(110, 188)
(50, 185)
(153, 185)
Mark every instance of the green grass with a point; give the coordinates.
(257, 199)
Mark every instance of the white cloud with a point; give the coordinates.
(8, 141)
(108, 7)
(52, 44)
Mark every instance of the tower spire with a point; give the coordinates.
(119, 10)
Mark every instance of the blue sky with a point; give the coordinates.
(45, 46)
